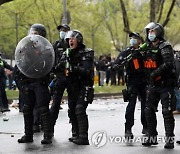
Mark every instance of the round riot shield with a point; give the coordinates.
(34, 56)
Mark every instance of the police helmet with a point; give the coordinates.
(137, 35)
(75, 34)
(38, 29)
(157, 27)
(63, 26)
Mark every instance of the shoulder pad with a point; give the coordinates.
(164, 44)
(88, 54)
(88, 50)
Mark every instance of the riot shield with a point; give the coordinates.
(34, 56)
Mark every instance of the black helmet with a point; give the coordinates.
(157, 27)
(63, 26)
(136, 35)
(75, 34)
(38, 28)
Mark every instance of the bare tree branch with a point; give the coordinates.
(169, 13)
(161, 10)
(112, 36)
(125, 17)
(152, 10)
(4, 1)
(39, 10)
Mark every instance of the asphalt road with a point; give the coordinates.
(106, 132)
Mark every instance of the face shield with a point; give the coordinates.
(149, 26)
(72, 34)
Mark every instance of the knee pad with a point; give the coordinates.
(166, 113)
(43, 110)
(79, 110)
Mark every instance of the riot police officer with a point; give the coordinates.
(161, 75)
(135, 82)
(60, 80)
(79, 66)
(36, 93)
(3, 97)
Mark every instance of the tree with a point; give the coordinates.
(4, 1)
(105, 24)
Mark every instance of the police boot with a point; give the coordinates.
(83, 129)
(151, 140)
(28, 125)
(152, 123)
(129, 134)
(26, 139)
(145, 131)
(74, 123)
(169, 143)
(46, 123)
(169, 128)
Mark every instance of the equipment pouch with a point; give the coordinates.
(125, 95)
(89, 95)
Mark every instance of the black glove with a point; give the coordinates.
(62, 62)
(154, 76)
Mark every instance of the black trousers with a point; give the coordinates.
(77, 110)
(36, 95)
(168, 100)
(58, 91)
(3, 96)
(135, 90)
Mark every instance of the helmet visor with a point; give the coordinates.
(71, 34)
(33, 31)
(152, 25)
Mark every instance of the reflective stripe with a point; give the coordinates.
(136, 63)
(150, 64)
(1, 63)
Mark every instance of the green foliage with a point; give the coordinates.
(12, 94)
(100, 21)
(108, 89)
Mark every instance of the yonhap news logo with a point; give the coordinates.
(100, 138)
